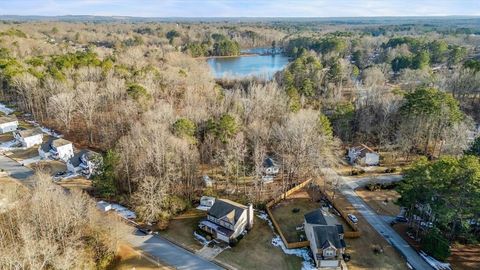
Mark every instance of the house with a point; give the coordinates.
(226, 220)
(84, 162)
(270, 167)
(29, 137)
(207, 201)
(8, 124)
(363, 155)
(104, 206)
(326, 239)
(56, 148)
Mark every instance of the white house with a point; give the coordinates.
(363, 155)
(326, 239)
(226, 220)
(84, 162)
(207, 201)
(104, 206)
(8, 124)
(270, 167)
(56, 148)
(29, 137)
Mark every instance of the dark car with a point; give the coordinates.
(401, 219)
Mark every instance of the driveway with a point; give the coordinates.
(348, 185)
(15, 169)
(168, 252)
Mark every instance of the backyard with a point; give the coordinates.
(289, 214)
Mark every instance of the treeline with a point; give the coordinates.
(218, 45)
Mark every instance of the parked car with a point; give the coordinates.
(353, 218)
(401, 219)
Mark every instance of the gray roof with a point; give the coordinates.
(76, 160)
(224, 207)
(326, 236)
(30, 132)
(46, 146)
(315, 217)
(269, 162)
(7, 119)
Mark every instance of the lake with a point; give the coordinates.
(262, 66)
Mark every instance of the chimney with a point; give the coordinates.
(250, 217)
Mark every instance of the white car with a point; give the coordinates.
(353, 218)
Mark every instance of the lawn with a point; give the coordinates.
(290, 220)
(381, 201)
(21, 154)
(181, 230)
(255, 251)
(49, 166)
(6, 137)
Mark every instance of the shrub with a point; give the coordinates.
(436, 245)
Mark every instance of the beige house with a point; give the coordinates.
(226, 220)
(326, 239)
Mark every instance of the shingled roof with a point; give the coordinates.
(226, 208)
(326, 236)
(315, 217)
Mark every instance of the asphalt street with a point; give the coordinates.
(378, 222)
(15, 169)
(168, 252)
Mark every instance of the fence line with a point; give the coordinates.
(279, 198)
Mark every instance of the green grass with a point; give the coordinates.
(288, 220)
(181, 232)
(255, 251)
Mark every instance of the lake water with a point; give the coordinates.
(262, 66)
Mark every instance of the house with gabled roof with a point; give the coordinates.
(56, 148)
(29, 137)
(85, 162)
(8, 124)
(363, 155)
(325, 235)
(226, 220)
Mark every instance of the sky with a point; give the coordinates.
(242, 8)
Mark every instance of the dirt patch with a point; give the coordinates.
(381, 201)
(466, 257)
(21, 154)
(129, 258)
(76, 183)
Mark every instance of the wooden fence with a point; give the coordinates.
(355, 233)
(274, 222)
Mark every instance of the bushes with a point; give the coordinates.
(436, 245)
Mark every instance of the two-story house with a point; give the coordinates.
(326, 239)
(29, 137)
(85, 162)
(226, 220)
(8, 124)
(56, 148)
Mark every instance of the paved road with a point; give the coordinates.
(348, 186)
(15, 169)
(169, 253)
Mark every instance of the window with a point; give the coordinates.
(329, 252)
